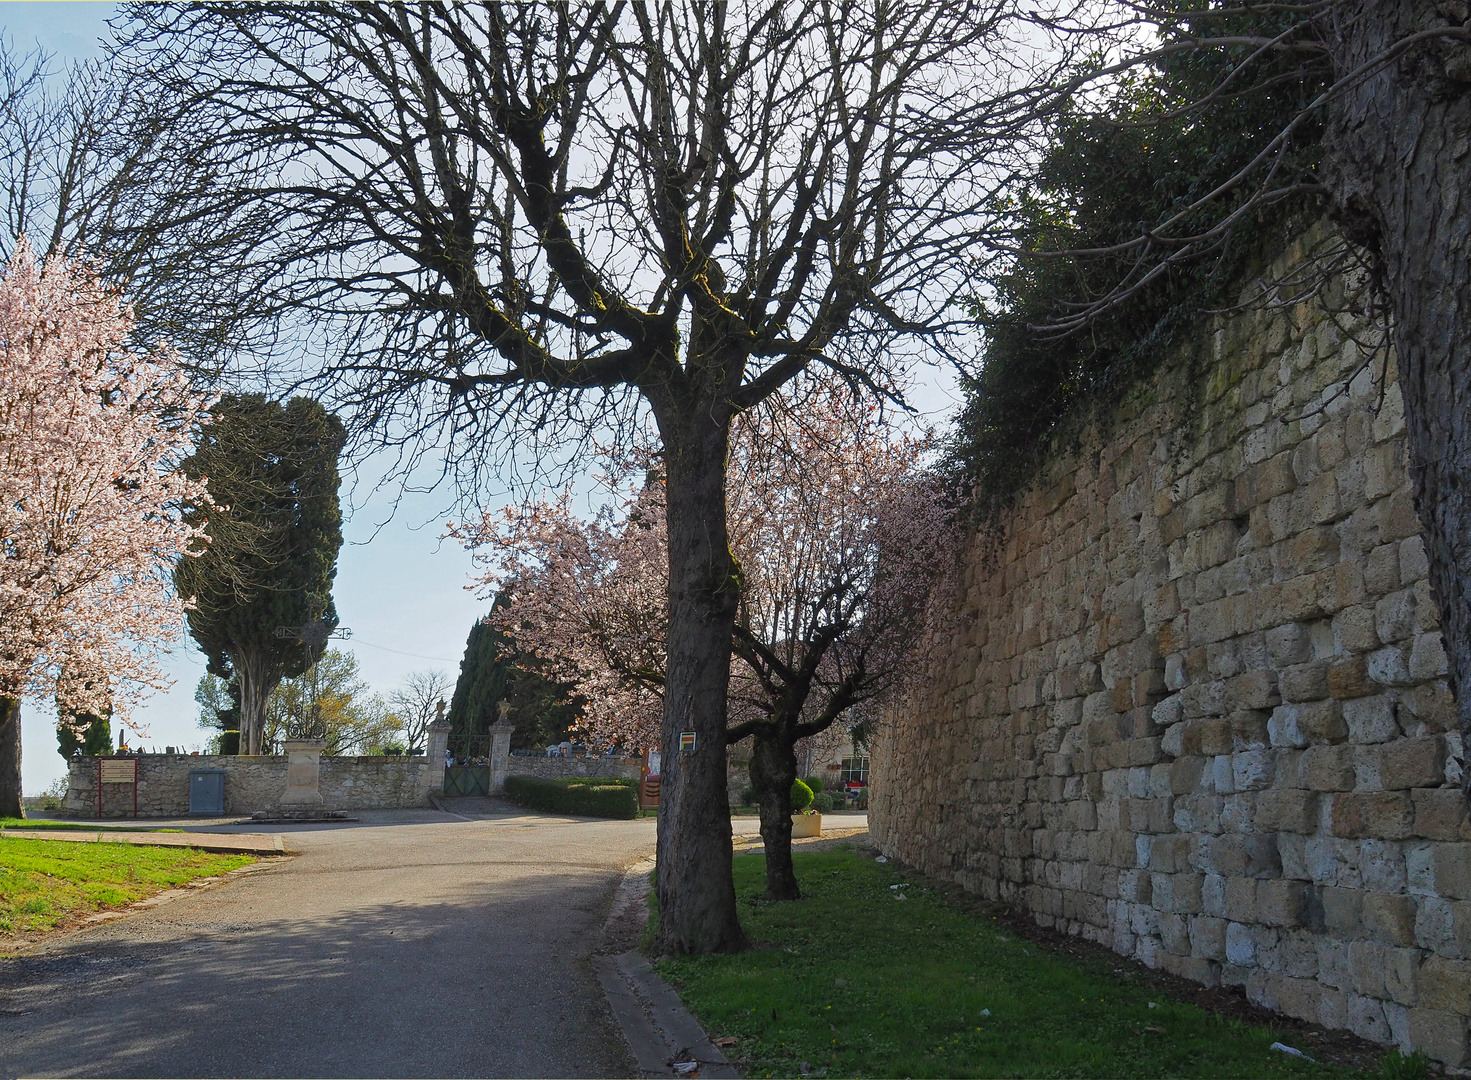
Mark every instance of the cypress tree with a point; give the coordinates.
(275, 530)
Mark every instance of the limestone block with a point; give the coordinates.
(1208, 938)
(1382, 865)
(1304, 682)
(1395, 614)
(1389, 918)
(1253, 770)
(1241, 899)
(1367, 958)
(1386, 814)
(1349, 678)
(1366, 1018)
(1240, 944)
(1441, 1034)
(1412, 763)
(1335, 967)
(1371, 719)
(1402, 975)
(1427, 658)
(1288, 645)
(1283, 729)
(1280, 903)
(1441, 814)
(1321, 721)
(1288, 810)
(1445, 984)
(1452, 870)
(1304, 999)
(1390, 666)
(1353, 629)
(1435, 926)
(1328, 768)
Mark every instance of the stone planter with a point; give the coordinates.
(806, 825)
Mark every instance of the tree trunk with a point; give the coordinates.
(1399, 149)
(251, 668)
(10, 757)
(697, 909)
(773, 770)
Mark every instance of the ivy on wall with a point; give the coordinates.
(1109, 174)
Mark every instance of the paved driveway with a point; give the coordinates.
(410, 944)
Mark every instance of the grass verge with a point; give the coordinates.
(74, 826)
(46, 883)
(869, 975)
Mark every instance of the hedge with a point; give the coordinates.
(590, 797)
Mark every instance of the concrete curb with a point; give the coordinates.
(659, 1030)
(220, 843)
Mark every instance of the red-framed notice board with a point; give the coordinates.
(117, 771)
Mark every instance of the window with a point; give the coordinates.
(855, 770)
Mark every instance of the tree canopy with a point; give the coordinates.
(274, 530)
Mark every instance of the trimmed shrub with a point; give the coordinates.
(748, 796)
(801, 796)
(822, 802)
(816, 783)
(590, 796)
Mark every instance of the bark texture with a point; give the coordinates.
(10, 791)
(1399, 152)
(773, 770)
(697, 912)
(253, 669)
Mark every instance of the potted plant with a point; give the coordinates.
(805, 820)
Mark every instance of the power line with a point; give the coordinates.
(400, 652)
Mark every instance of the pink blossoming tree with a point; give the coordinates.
(89, 521)
(840, 538)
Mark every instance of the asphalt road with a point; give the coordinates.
(410, 944)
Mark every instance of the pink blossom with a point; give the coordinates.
(90, 432)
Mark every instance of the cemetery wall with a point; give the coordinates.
(555, 768)
(1196, 709)
(251, 784)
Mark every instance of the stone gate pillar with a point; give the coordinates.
(500, 754)
(303, 768)
(437, 742)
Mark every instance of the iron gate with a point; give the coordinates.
(467, 771)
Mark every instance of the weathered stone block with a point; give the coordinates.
(1371, 719)
(1452, 870)
(1328, 768)
(1321, 721)
(1385, 814)
(1445, 984)
(1412, 763)
(1367, 958)
(1389, 919)
(1350, 679)
(1441, 814)
(1288, 810)
(1280, 903)
(1304, 682)
(1402, 975)
(1208, 938)
(1441, 1034)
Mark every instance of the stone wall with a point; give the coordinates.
(251, 784)
(554, 768)
(1197, 708)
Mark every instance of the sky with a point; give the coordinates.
(400, 588)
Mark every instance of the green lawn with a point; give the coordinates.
(855, 981)
(83, 826)
(44, 882)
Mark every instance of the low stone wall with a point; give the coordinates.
(251, 784)
(1197, 709)
(556, 768)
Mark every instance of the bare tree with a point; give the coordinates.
(1395, 114)
(415, 704)
(511, 225)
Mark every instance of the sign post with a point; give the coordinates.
(117, 771)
